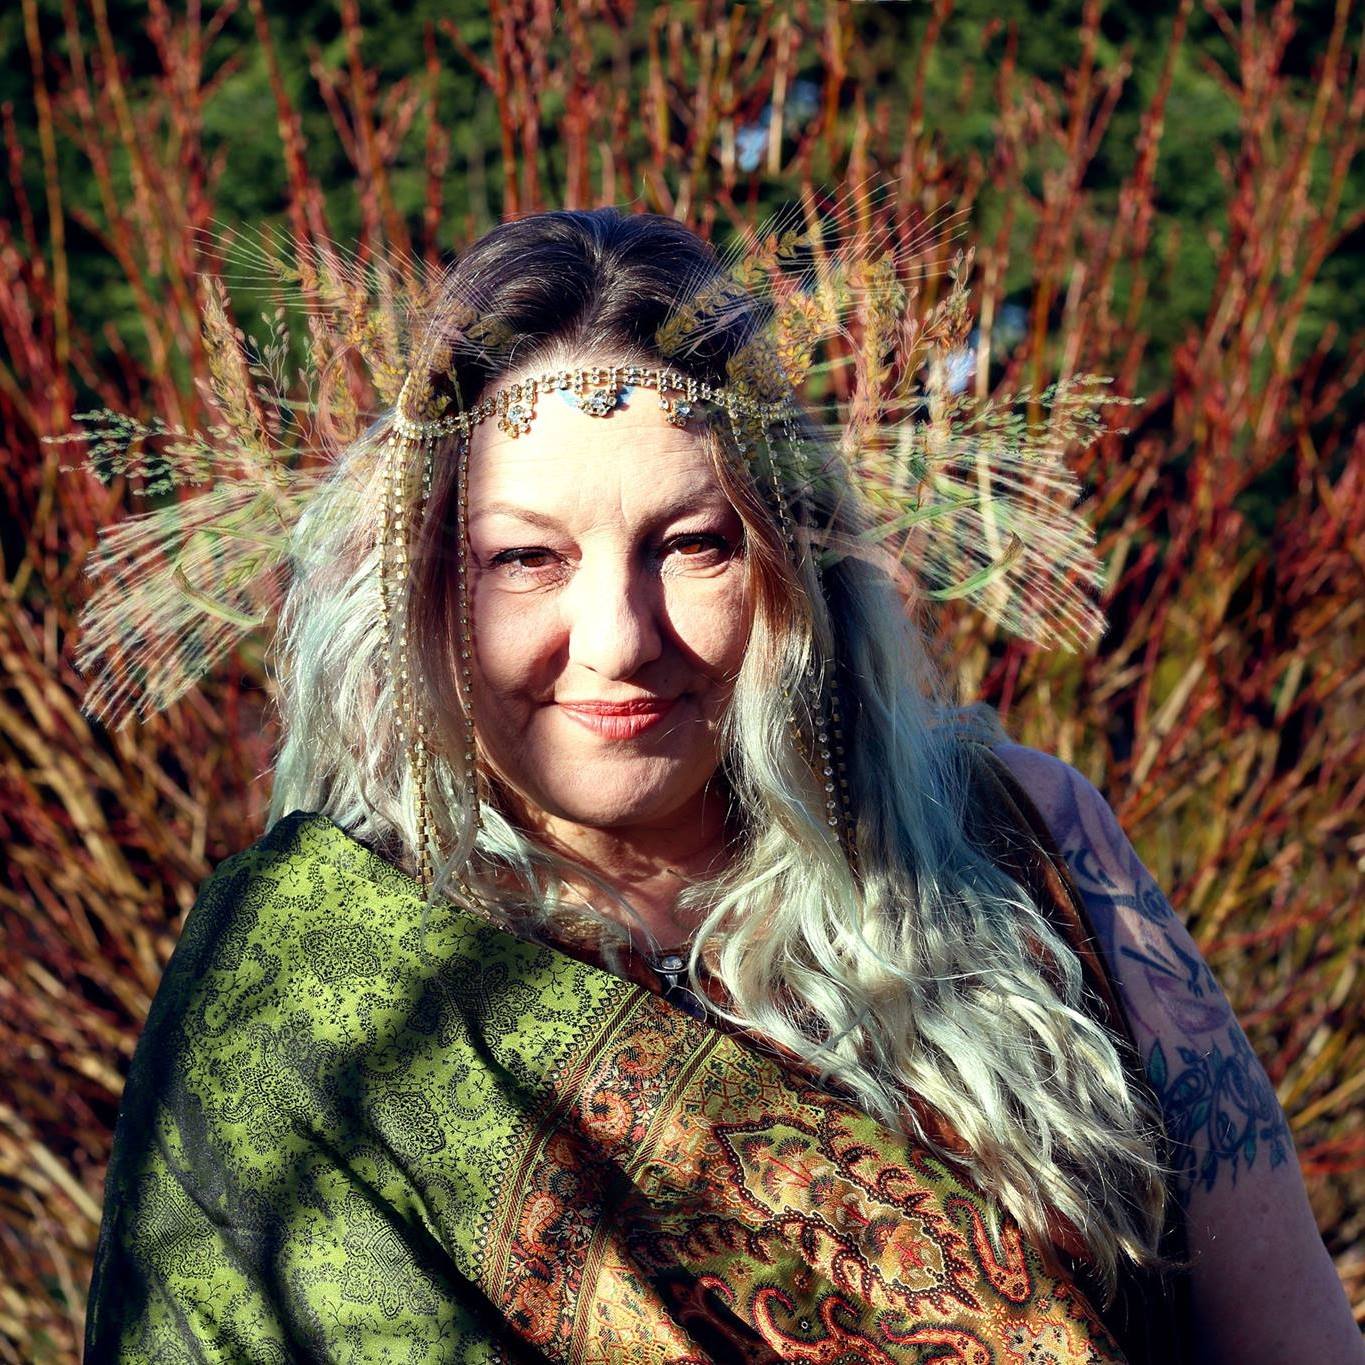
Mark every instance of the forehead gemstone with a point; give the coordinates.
(599, 402)
(517, 418)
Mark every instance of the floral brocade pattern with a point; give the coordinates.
(342, 1140)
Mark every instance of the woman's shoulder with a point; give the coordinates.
(292, 948)
(281, 877)
(1058, 790)
(1120, 895)
(302, 909)
(1079, 819)
(1185, 1029)
(1062, 808)
(1234, 1172)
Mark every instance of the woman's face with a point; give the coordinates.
(607, 568)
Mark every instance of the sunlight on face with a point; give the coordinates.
(607, 567)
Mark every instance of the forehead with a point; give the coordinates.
(569, 454)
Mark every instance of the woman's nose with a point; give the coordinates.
(611, 614)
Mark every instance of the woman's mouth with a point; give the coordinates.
(618, 720)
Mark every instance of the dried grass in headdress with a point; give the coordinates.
(973, 496)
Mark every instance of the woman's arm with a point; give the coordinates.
(1263, 1285)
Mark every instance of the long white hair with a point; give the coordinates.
(933, 977)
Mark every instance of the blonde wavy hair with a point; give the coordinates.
(933, 977)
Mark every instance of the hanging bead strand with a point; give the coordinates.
(419, 759)
(415, 747)
(833, 756)
(823, 761)
(466, 661)
(742, 446)
(393, 568)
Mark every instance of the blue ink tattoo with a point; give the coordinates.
(1217, 1102)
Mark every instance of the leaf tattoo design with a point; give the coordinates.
(1219, 1111)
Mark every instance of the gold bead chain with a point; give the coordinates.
(827, 763)
(467, 650)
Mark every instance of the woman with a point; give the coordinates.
(763, 1011)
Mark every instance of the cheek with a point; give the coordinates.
(711, 622)
(514, 633)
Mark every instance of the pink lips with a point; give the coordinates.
(618, 720)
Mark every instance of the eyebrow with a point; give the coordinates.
(707, 502)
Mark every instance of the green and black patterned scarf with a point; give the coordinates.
(342, 1140)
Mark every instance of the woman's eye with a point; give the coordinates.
(516, 558)
(695, 545)
(537, 559)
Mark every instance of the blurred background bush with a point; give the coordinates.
(1166, 193)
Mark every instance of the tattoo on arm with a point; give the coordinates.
(1219, 1108)
(1220, 1111)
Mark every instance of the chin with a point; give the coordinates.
(574, 776)
(603, 809)
(603, 795)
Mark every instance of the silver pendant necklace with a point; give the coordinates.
(670, 966)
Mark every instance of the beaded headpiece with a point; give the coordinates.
(973, 493)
